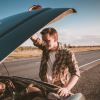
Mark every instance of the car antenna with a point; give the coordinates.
(6, 68)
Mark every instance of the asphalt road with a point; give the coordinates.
(89, 84)
(30, 67)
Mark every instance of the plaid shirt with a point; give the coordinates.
(65, 64)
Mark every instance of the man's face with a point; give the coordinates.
(49, 40)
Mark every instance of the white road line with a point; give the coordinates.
(89, 63)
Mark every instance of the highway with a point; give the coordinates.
(30, 67)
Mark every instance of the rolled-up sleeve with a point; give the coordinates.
(73, 64)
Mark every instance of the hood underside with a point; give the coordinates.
(16, 29)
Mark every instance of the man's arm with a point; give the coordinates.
(75, 74)
(37, 42)
(73, 65)
(73, 80)
(74, 70)
(66, 90)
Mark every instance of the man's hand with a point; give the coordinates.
(34, 37)
(63, 92)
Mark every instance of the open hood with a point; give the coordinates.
(16, 29)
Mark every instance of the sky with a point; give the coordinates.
(81, 28)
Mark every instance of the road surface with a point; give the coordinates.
(30, 67)
(88, 84)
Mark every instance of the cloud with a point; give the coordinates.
(70, 37)
(87, 40)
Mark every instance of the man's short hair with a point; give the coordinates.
(50, 31)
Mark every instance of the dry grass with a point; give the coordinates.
(28, 52)
(82, 49)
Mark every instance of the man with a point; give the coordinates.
(58, 63)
